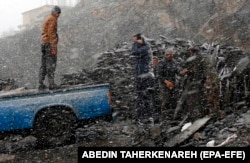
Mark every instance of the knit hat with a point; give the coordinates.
(170, 51)
(56, 9)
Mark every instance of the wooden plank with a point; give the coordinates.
(17, 91)
(32, 92)
(179, 138)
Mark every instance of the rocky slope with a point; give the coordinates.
(230, 128)
(93, 26)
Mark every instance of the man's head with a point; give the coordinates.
(155, 61)
(138, 35)
(139, 38)
(56, 10)
(169, 54)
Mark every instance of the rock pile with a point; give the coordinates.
(7, 84)
(116, 67)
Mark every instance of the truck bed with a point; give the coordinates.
(20, 108)
(22, 91)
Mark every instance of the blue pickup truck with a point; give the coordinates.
(53, 115)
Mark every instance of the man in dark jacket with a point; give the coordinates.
(202, 85)
(143, 55)
(167, 71)
(144, 79)
(49, 40)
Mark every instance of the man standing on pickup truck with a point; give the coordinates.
(49, 41)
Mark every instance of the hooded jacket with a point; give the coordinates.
(49, 31)
(143, 55)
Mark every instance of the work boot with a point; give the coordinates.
(149, 123)
(41, 87)
(53, 87)
(140, 126)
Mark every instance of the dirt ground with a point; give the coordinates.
(123, 134)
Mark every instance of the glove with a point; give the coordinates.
(169, 84)
(185, 72)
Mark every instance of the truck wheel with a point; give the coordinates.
(55, 128)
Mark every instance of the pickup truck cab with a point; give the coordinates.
(52, 115)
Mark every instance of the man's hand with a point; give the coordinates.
(185, 72)
(53, 51)
(139, 41)
(169, 84)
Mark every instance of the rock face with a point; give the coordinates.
(93, 26)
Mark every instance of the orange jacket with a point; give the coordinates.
(49, 31)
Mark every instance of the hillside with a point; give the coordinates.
(94, 26)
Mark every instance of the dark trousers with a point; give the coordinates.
(168, 101)
(48, 65)
(144, 99)
(156, 102)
